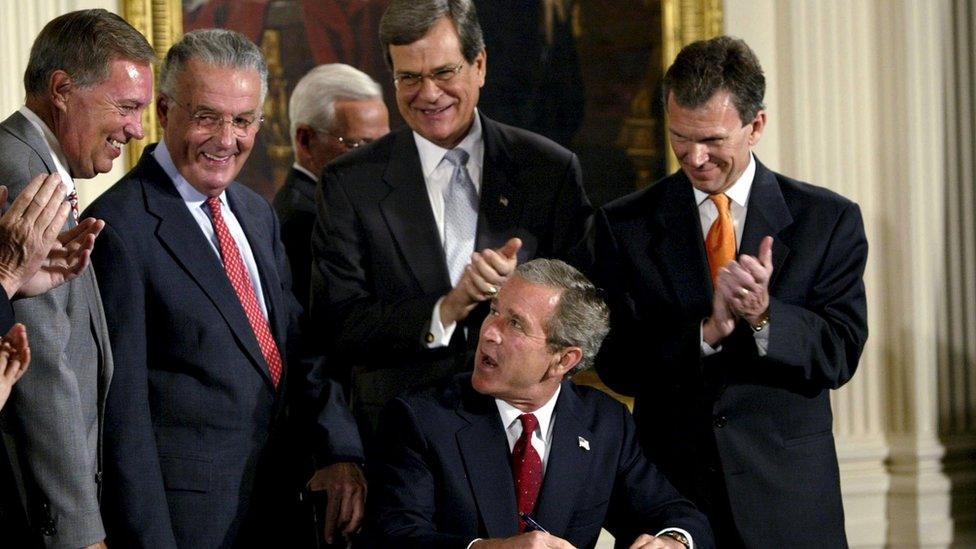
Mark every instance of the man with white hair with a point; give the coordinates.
(334, 109)
(203, 410)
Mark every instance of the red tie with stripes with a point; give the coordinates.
(241, 282)
(526, 468)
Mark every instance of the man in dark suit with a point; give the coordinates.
(732, 360)
(87, 82)
(396, 277)
(516, 447)
(203, 323)
(333, 109)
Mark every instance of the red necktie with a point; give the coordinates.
(73, 200)
(526, 468)
(720, 241)
(241, 282)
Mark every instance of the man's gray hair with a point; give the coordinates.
(406, 21)
(581, 318)
(217, 47)
(83, 44)
(313, 100)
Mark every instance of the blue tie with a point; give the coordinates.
(460, 215)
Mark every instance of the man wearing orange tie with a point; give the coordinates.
(742, 290)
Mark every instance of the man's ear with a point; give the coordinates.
(60, 86)
(568, 359)
(303, 136)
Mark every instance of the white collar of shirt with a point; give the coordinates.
(305, 171)
(54, 148)
(738, 195)
(431, 155)
(196, 202)
(542, 438)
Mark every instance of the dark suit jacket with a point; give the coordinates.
(379, 264)
(196, 438)
(765, 422)
(295, 206)
(443, 476)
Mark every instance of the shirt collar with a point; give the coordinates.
(192, 197)
(510, 414)
(739, 191)
(431, 154)
(305, 171)
(57, 155)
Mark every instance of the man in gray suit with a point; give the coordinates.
(87, 82)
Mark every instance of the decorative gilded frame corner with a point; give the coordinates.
(161, 22)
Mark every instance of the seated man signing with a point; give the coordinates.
(515, 455)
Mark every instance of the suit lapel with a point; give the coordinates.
(180, 235)
(410, 218)
(484, 451)
(679, 245)
(18, 126)
(768, 214)
(500, 206)
(567, 465)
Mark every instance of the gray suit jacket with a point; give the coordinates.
(53, 426)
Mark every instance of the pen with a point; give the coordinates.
(531, 523)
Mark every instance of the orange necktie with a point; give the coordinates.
(720, 242)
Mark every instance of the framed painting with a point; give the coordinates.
(583, 72)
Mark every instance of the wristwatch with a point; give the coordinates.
(678, 537)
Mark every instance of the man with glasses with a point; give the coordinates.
(737, 304)
(416, 231)
(203, 323)
(334, 109)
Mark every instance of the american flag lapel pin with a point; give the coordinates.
(583, 443)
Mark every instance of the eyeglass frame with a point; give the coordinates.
(448, 72)
(197, 119)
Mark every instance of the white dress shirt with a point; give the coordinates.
(738, 195)
(196, 203)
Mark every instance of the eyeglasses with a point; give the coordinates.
(213, 122)
(408, 81)
(351, 144)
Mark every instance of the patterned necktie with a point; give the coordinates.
(720, 242)
(460, 215)
(241, 282)
(73, 200)
(526, 468)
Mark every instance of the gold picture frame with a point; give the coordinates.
(642, 134)
(682, 22)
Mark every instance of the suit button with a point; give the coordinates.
(720, 421)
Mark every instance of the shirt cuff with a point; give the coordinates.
(682, 531)
(762, 340)
(472, 542)
(439, 335)
(706, 349)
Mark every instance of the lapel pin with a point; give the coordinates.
(503, 201)
(584, 444)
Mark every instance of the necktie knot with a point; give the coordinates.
(457, 157)
(721, 202)
(214, 204)
(529, 423)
